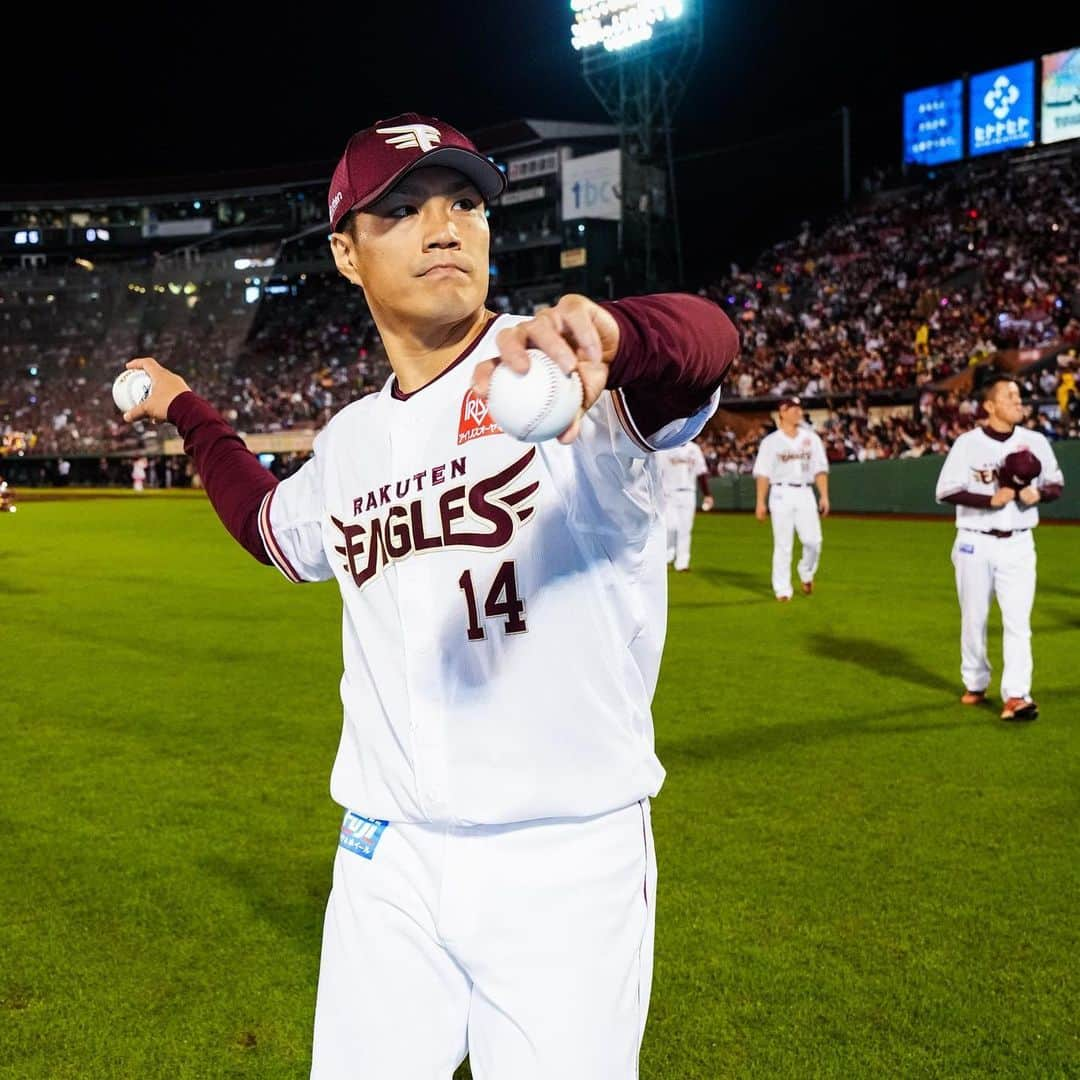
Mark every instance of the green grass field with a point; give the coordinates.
(858, 876)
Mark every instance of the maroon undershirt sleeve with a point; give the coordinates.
(1050, 492)
(674, 350)
(231, 474)
(703, 485)
(968, 498)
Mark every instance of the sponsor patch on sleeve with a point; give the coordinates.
(360, 835)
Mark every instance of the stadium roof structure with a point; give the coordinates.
(164, 188)
(525, 133)
(520, 134)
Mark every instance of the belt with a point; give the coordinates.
(1001, 534)
(794, 485)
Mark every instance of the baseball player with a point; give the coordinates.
(996, 475)
(683, 473)
(138, 473)
(504, 612)
(790, 462)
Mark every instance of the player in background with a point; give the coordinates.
(504, 609)
(683, 473)
(996, 475)
(138, 473)
(790, 462)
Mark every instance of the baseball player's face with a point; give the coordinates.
(421, 252)
(1005, 404)
(791, 415)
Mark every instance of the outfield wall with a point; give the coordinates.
(899, 487)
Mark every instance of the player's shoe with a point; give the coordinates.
(973, 697)
(1018, 708)
(807, 588)
(783, 599)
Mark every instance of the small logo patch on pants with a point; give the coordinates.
(967, 549)
(360, 834)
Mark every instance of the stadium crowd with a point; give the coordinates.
(912, 288)
(893, 297)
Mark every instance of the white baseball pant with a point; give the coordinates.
(1002, 566)
(529, 946)
(793, 510)
(679, 510)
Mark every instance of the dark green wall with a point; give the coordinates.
(904, 487)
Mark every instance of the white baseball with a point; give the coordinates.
(131, 388)
(536, 405)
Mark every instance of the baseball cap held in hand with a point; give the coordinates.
(376, 158)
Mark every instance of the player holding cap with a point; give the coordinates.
(790, 461)
(996, 475)
(683, 473)
(504, 613)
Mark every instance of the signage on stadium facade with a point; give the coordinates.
(934, 124)
(1060, 96)
(529, 194)
(524, 168)
(592, 186)
(1001, 107)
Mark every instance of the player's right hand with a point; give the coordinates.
(1002, 497)
(167, 386)
(760, 512)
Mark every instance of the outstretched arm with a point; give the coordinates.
(234, 480)
(665, 354)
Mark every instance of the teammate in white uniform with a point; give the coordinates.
(504, 613)
(138, 473)
(683, 473)
(790, 462)
(994, 551)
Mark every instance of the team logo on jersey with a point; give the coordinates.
(985, 476)
(412, 137)
(360, 835)
(483, 516)
(476, 419)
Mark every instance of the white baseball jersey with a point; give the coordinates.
(796, 460)
(504, 602)
(973, 464)
(680, 467)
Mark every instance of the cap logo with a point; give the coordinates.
(412, 136)
(334, 202)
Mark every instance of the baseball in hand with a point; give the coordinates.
(130, 388)
(539, 404)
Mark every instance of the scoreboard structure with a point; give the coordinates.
(1005, 108)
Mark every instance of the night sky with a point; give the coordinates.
(193, 92)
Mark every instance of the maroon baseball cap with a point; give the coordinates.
(379, 156)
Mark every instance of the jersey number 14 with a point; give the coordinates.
(502, 600)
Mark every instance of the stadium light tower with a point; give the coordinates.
(637, 57)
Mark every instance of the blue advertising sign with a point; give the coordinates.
(1002, 109)
(934, 124)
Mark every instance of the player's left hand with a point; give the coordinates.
(823, 505)
(707, 503)
(1029, 496)
(577, 333)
